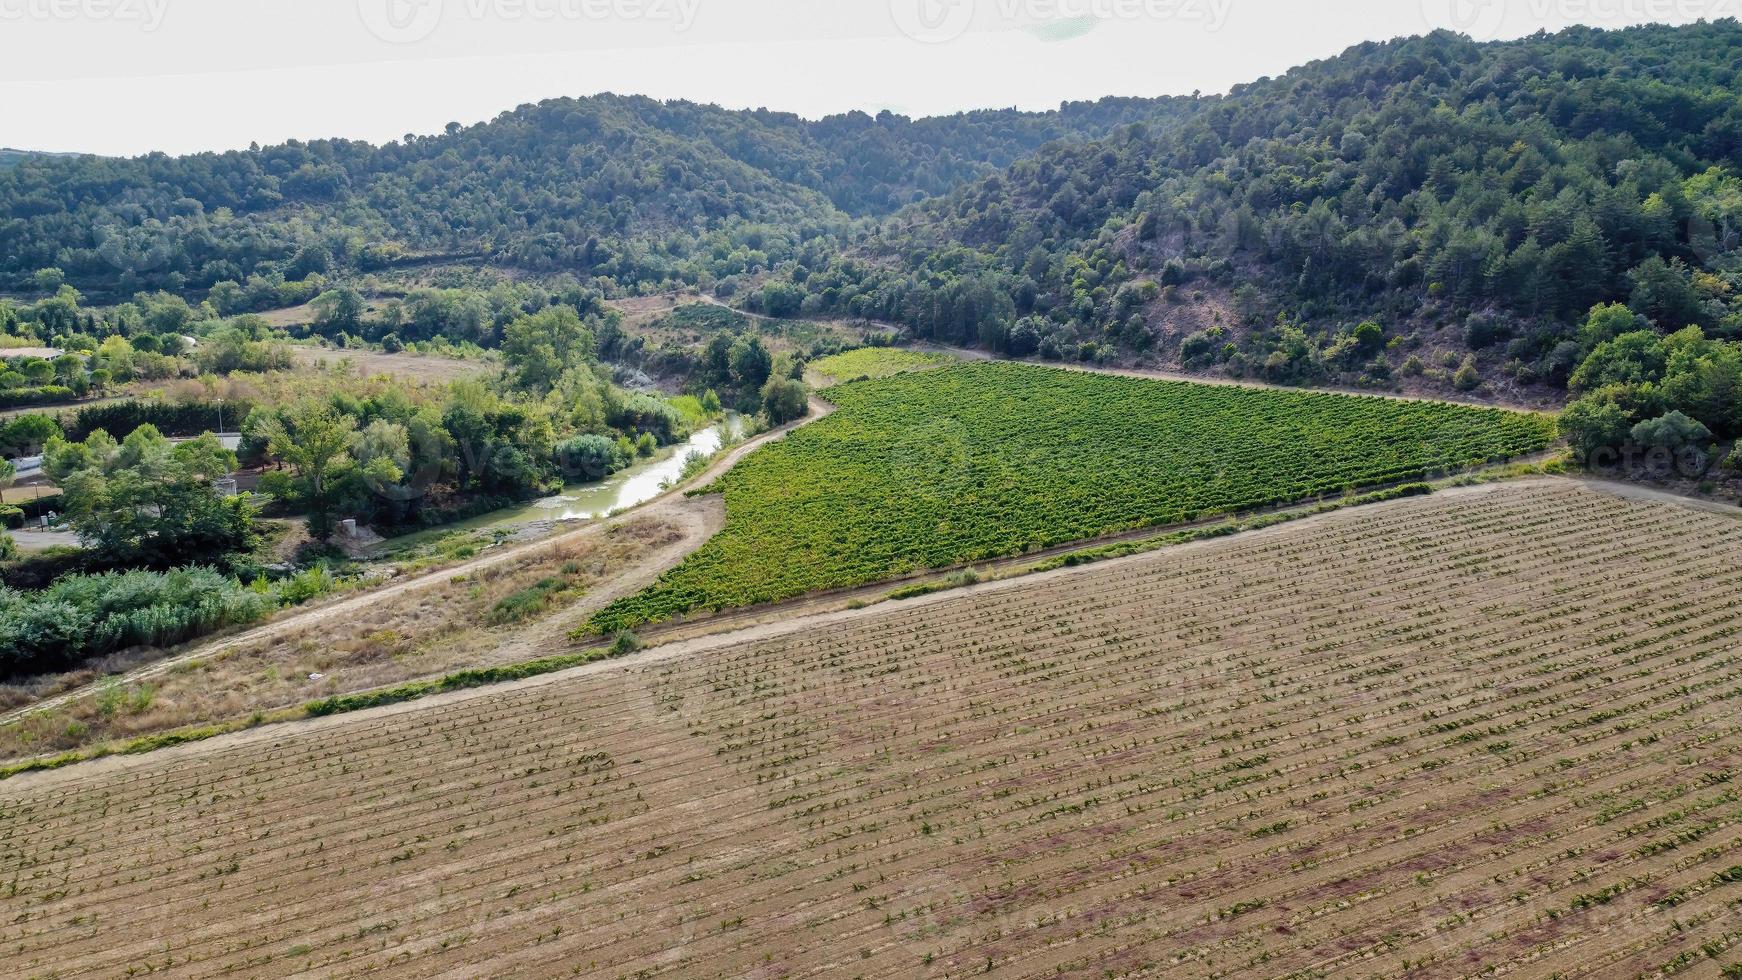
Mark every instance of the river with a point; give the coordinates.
(626, 488)
(585, 501)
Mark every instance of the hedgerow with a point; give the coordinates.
(980, 461)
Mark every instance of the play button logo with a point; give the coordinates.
(1482, 20)
(400, 21)
(932, 21)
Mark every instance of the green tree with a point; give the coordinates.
(339, 310)
(37, 372)
(314, 439)
(1369, 337)
(27, 434)
(784, 400)
(1717, 197)
(1608, 321)
(382, 451)
(1594, 423)
(1632, 358)
(750, 363)
(539, 348)
(1673, 431)
(149, 501)
(49, 280)
(1663, 292)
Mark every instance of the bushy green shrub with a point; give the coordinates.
(85, 616)
(306, 585)
(41, 395)
(591, 457)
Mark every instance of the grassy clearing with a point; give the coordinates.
(982, 461)
(421, 368)
(877, 362)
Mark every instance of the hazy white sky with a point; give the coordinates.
(130, 76)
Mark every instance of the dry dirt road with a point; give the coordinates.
(698, 518)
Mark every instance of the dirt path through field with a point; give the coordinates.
(1479, 729)
(816, 614)
(698, 518)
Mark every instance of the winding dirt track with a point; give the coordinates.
(1155, 374)
(698, 518)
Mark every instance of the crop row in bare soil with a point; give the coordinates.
(1486, 730)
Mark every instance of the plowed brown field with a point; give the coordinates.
(1489, 730)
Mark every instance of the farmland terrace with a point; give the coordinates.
(1444, 735)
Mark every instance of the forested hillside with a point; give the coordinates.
(1499, 190)
(1429, 212)
(638, 192)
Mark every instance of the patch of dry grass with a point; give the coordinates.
(413, 367)
(405, 636)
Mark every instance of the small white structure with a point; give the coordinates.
(226, 486)
(348, 528)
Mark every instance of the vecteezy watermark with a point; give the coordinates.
(1480, 19)
(148, 14)
(1484, 20)
(1685, 462)
(938, 21)
(410, 21)
(932, 21)
(400, 21)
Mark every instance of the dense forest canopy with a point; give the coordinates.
(1505, 188)
(1431, 207)
(623, 188)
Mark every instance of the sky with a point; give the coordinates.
(133, 76)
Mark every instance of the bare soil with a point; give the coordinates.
(1483, 731)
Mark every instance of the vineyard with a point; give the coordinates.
(1449, 735)
(936, 468)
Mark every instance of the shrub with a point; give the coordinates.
(304, 586)
(1467, 379)
(83, 616)
(1672, 431)
(40, 395)
(526, 603)
(591, 457)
